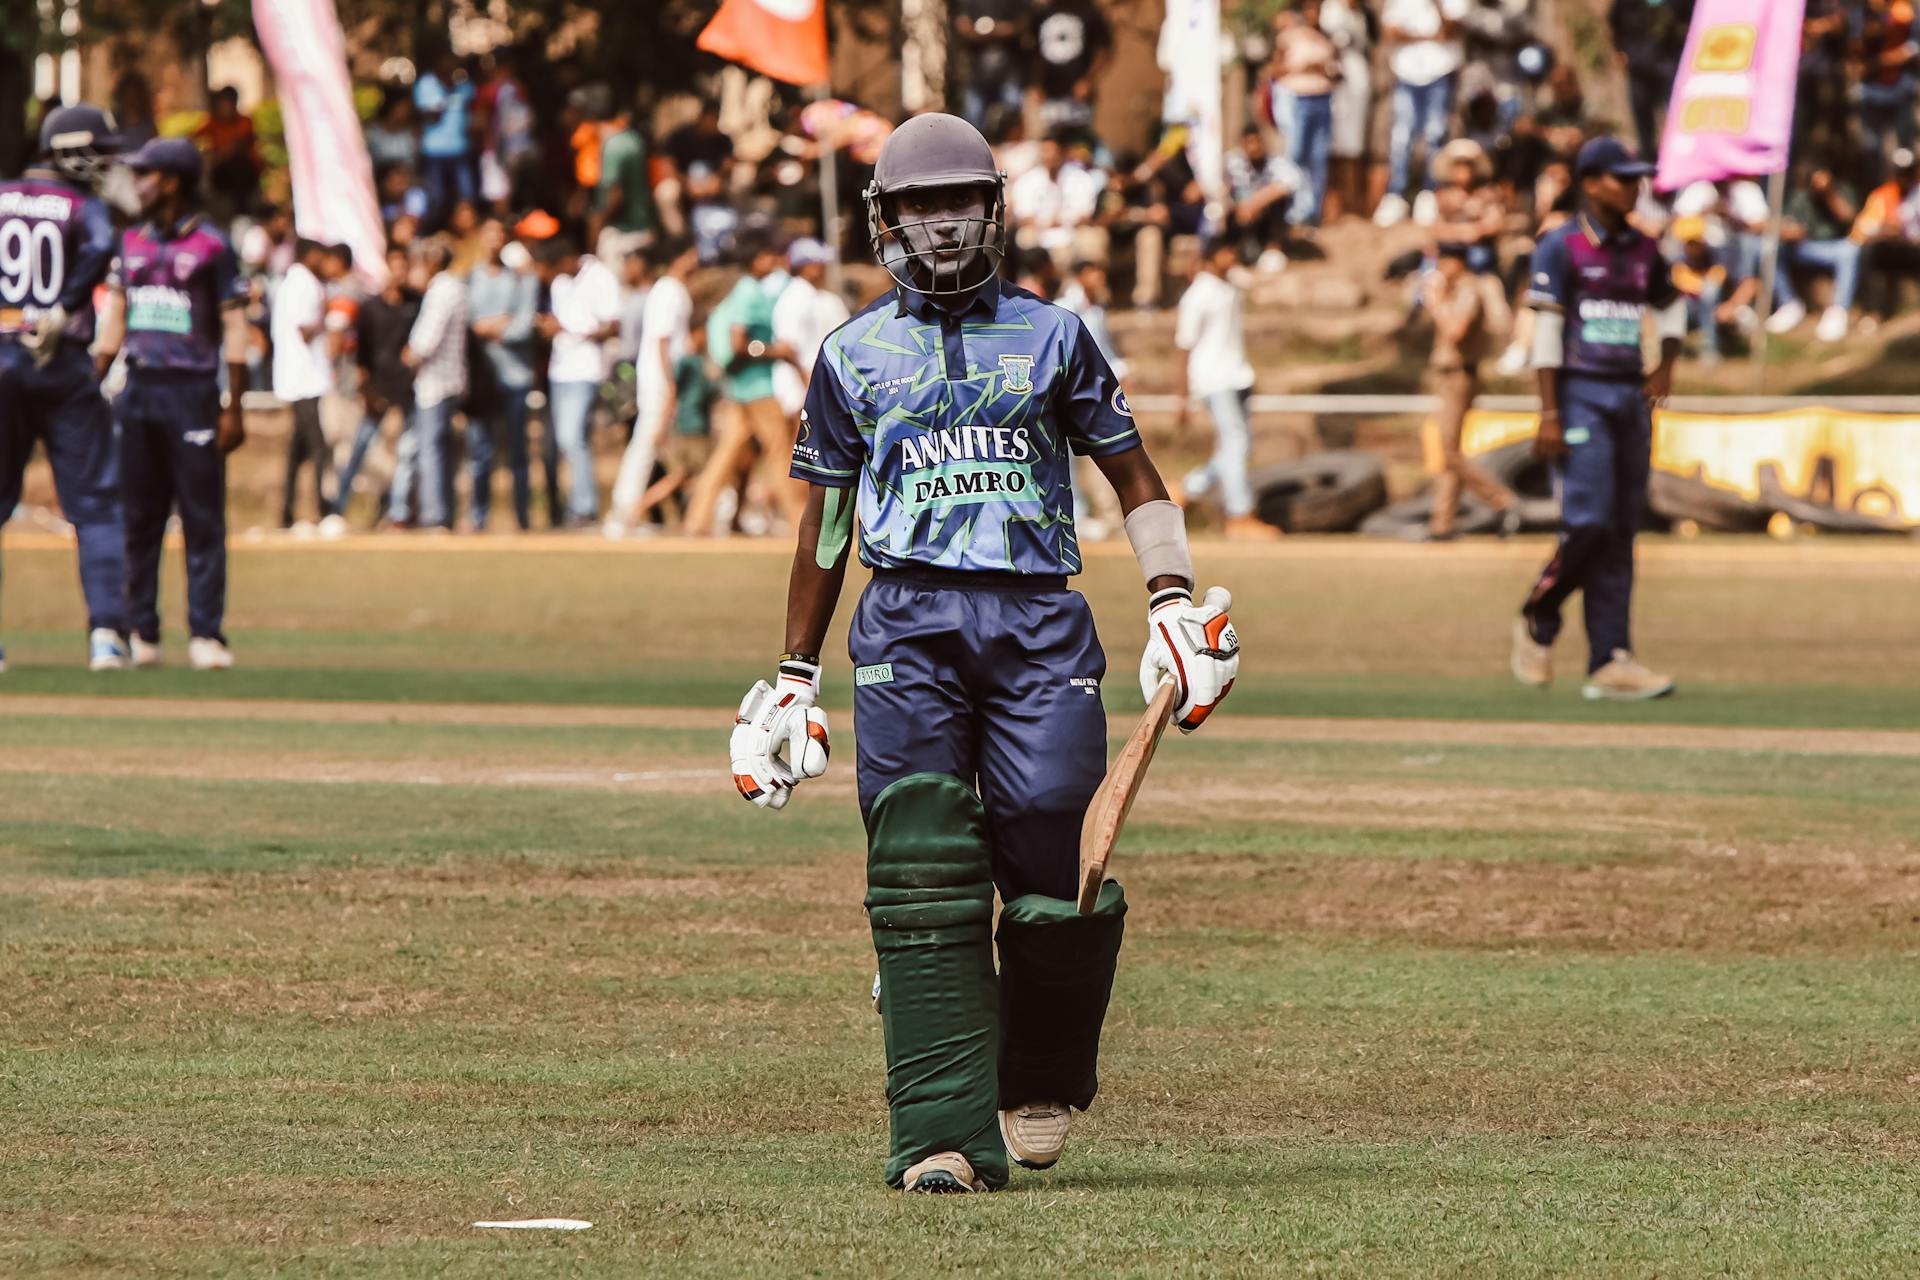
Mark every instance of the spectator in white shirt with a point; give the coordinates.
(1427, 55)
(1051, 206)
(803, 315)
(664, 326)
(436, 351)
(585, 313)
(1209, 328)
(303, 364)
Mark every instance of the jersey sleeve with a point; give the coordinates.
(828, 449)
(1547, 287)
(95, 245)
(1660, 287)
(1092, 408)
(228, 287)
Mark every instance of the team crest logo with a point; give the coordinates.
(1016, 373)
(1120, 405)
(183, 266)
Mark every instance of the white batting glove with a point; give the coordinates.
(42, 339)
(776, 718)
(1196, 646)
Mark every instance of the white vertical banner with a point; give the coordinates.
(1191, 54)
(333, 196)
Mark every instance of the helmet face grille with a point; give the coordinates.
(919, 267)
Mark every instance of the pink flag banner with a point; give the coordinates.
(333, 197)
(1732, 109)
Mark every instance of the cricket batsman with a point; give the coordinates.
(179, 302)
(943, 416)
(1594, 280)
(56, 242)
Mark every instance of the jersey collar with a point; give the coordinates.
(984, 298)
(178, 231)
(1599, 235)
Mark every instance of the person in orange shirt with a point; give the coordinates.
(1713, 297)
(233, 158)
(1887, 232)
(1887, 84)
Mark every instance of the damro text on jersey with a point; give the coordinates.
(966, 444)
(25, 204)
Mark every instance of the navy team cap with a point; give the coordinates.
(168, 155)
(1609, 155)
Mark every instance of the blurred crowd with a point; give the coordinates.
(544, 233)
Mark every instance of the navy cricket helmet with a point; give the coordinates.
(943, 253)
(80, 142)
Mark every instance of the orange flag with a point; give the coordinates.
(785, 39)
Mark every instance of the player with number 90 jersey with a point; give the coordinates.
(56, 243)
(958, 429)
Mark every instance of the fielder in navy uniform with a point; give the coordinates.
(178, 298)
(1594, 280)
(944, 416)
(56, 243)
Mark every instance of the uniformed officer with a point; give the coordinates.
(945, 416)
(1594, 280)
(56, 242)
(178, 297)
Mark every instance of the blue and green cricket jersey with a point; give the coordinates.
(959, 429)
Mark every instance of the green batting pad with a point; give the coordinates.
(1056, 974)
(930, 903)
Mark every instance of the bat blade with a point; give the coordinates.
(1107, 812)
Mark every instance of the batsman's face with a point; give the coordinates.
(945, 225)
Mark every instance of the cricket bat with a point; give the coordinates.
(1107, 812)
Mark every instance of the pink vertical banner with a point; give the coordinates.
(1732, 108)
(333, 197)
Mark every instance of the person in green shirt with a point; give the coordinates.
(740, 340)
(1817, 235)
(624, 219)
(686, 446)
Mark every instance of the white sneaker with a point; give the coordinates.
(1530, 661)
(1833, 325)
(334, 527)
(1391, 211)
(1426, 209)
(1625, 680)
(614, 529)
(105, 652)
(1512, 362)
(1787, 318)
(1747, 321)
(1036, 1134)
(1271, 263)
(204, 653)
(146, 655)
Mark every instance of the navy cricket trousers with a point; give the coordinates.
(1602, 483)
(60, 405)
(169, 456)
(995, 679)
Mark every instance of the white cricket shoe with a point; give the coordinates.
(1036, 1133)
(1786, 319)
(147, 655)
(942, 1174)
(1833, 325)
(333, 528)
(1530, 661)
(1625, 680)
(204, 653)
(105, 652)
(1272, 262)
(1391, 211)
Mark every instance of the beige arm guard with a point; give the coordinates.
(1158, 532)
(1549, 329)
(236, 335)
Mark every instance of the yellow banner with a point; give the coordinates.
(1863, 462)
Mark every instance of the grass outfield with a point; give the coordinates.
(300, 985)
